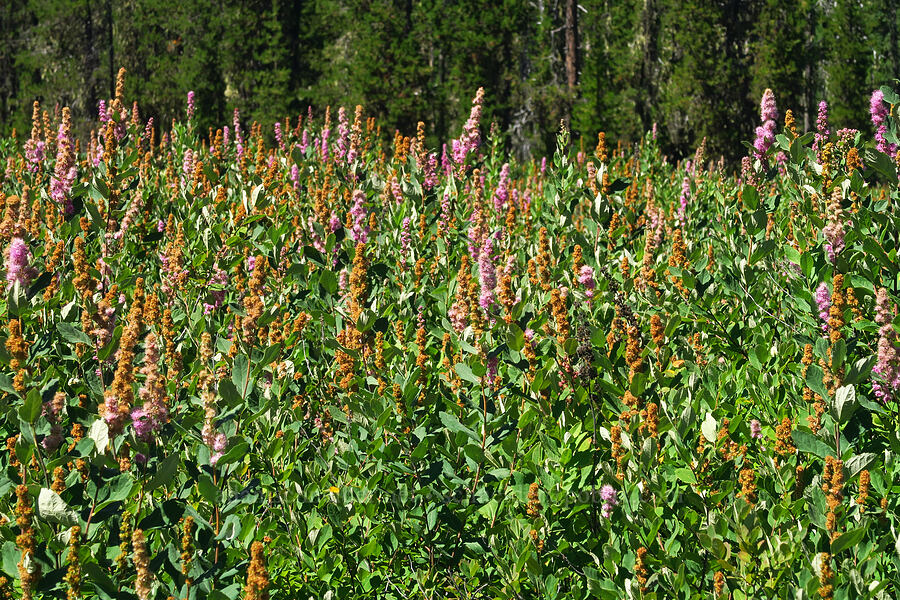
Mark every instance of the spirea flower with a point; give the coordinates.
(64, 173)
(683, 200)
(822, 132)
(586, 279)
(755, 429)
(834, 228)
(279, 136)
(360, 229)
(887, 369)
(190, 105)
(429, 172)
(610, 499)
(501, 194)
(765, 135)
(471, 137)
(343, 140)
(238, 134)
(879, 112)
(304, 141)
(404, 240)
(487, 274)
(18, 263)
(323, 144)
(823, 303)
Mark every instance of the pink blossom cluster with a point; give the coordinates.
(487, 274)
(238, 135)
(610, 499)
(360, 230)
(190, 105)
(34, 153)
(131, 214)
(279, 136)
(324, 149)
(343, 140)
(18, 263)
(501, 194)
(150, 417)
(444, 219)
(397, 191)
(879, 111)
(823, 303)
(471, 137)
(404, 241)
(755, 429)
(683, 201)
(429, 172)
(765, 135)
(586, 279)
(887, 369)
(822, 132)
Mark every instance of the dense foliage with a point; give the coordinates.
(696, 67)
(333, 367)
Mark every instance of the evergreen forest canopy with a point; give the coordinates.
(695, 67)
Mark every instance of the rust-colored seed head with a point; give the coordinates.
(257, 576)
(719, 583)
(533, 510)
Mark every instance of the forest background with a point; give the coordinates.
(697, 68)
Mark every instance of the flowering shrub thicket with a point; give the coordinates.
(334, 367)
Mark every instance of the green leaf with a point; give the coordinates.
(11, 557)
(208, 489)
(858, 462)
(685, 475)
(6, 385)
(848, 539)
(763, 250)
(328, 281)
(809, 443)
(793, 255)
(72, 334)
(237, 451)
(164, 473)
(99, 432)
(873, 248)
(750, 197)
(119, 487)
(99, 579)
(515, 337)
(838, 353)
(709, 428)
(31, 410)
(366, 319)
(814, 381)
(453, 424)
(465, 372)
(844, 403)
(52, 508)
(229, 393)
(239, 373)
(860, 370)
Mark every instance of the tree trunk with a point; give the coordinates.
(572, 46)
(894, 49)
